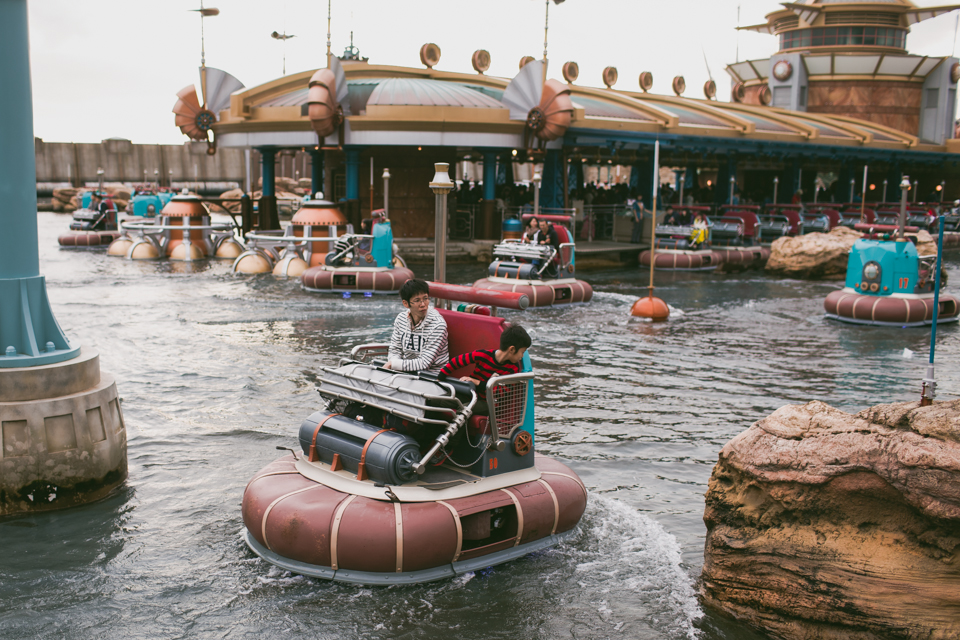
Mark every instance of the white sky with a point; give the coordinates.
(111, 68)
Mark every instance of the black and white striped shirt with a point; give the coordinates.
(423, 347)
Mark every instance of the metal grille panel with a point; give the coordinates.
(508, 404)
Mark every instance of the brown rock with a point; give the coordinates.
(232, 207)
(823, 525)
(812, 256)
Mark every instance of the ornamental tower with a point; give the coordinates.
(849, 58)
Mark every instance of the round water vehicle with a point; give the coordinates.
(542, 272)
(733, 259)
(889, 284)
(397, 482)
(681, 260)
(91, 228)
(366, 262)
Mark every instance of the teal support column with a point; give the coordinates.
(551, 191)
(353, 173)
(29, 333)
(268, 159)
(316, 172)
(489, 175)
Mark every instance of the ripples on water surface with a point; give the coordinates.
(216, 370)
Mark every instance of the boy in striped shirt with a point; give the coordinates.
(514, 342)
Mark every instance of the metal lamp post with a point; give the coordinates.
(386, 192)
(904, 187)
(776, 183)
(853, 185)
(943, 187)
(916, 184)
(536, 194)
(884, 198)
(441, 185)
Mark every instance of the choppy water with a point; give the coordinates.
(216, 370)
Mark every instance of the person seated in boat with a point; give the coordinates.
(514, 342)
(366, 228)
(103, 205)
(420, 338)
(699, 233)
(531, 232)
(548, 236)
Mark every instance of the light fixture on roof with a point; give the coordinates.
(679, 85)
(480, 60)
(525, 60)
(710, 89)
(646, 81)
(571, 71)
(610, 77)
(430, 55)
(738, 93)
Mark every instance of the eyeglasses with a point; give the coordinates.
(421, 301)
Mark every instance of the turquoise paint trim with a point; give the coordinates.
(528, 420)
(268, 171)
(382, 251)
(86, 199)
(141, 203)
(353, 174)
(316, 172)
(28, 326)
(19, 253)
(489, 175)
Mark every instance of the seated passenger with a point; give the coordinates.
(531, 232)
(419, 341)
(699, 233)
(514, 342)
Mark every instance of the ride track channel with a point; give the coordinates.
(215, 370)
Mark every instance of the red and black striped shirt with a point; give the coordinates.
(486, 366)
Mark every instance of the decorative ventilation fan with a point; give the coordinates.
(546, 107)
(327, 95)
(196, 120)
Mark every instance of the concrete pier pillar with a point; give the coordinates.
(62, 436)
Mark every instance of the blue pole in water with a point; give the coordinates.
(929, 389)
(29, 334)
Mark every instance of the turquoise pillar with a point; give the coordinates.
(268, 171)
(551, 189)
(316, 172)
(489, 175)
(29, 333)
(353, 173)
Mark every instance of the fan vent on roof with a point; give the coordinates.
(856, 17)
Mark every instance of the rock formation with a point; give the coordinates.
(814, 255)
(825, 525)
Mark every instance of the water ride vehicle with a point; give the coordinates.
(676, 244)
(183, 231)
(341, 261)
(544, 273)
(888, 283)
(397, 482)
(91, 228)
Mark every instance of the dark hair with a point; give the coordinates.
(515, 336)
(533, 219)
(413, 287)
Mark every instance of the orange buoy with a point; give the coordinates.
(650, 307)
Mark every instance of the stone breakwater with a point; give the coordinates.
(822, 524)
(816, 256)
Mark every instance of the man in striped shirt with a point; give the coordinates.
(514, 342)
(419, 341)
